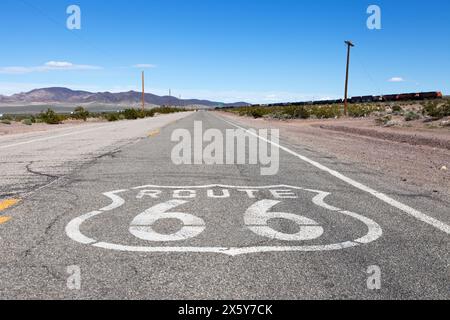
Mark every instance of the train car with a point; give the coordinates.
(390, 97)
(367, 99)
(407, 96)
(430, 95)
(377, 98)
(355, 99)
(332, 101)
(410, 96)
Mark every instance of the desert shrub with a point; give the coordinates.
(27, 122)
(397, 109)
(50, 117)
(307, 111)
(277, 112)
(445, 109)
(326, 112)
(411, 116)
(166, 110)
(296, 112)
(80, 113)
(131, 114)
(244, 112)
(436, 110)
(149, 113)
(5, 121)
(96, 115)
(431, 109)
(112, 117)
(359, 111)
(278, 116)
(255, 112)
(141, 114)
(258, 112)
(381, 121)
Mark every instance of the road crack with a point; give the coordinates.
(41, 174)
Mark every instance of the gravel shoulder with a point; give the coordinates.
(19, 128)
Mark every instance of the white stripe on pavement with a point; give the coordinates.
(392, 202)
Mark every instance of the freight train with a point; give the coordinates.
(367, 99)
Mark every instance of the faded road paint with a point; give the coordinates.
(4, 219)
(5, 204)
(153, 133)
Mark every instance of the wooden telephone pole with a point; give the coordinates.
(349, 46)
(143, 91)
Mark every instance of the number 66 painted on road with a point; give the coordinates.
(142, 225)
(256, 219)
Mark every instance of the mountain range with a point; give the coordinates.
(67, 96)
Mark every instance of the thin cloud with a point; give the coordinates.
(396, 79)
(48, 66)
(144, 66)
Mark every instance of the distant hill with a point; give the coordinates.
(68, 96)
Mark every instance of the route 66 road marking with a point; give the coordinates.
(256, 219)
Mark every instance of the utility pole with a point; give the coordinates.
(349, 46)
(143, 91)
(170, 96)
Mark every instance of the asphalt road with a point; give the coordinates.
(312, 231)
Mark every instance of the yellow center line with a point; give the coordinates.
(153, 133)
(4, 219)
(5, 204)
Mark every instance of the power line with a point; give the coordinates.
(59, 24)
(375, 86)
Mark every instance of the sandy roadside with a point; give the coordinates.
(359, 141)
(20, 128)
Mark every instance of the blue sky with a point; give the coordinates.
(226, 50)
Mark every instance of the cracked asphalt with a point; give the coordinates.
(89, 197)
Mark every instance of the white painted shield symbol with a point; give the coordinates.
(256, 220)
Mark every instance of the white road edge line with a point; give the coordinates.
(385, 198)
